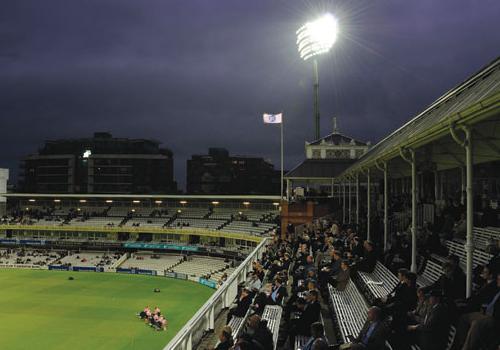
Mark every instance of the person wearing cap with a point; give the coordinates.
(432, 332)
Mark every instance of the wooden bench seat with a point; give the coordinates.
(432, 272)
(272, 314)
(350, 310)
(380, 282)
(451, 338)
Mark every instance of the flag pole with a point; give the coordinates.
(281, 127)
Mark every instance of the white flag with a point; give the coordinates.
(273, 118)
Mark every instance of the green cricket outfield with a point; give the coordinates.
(42, 309)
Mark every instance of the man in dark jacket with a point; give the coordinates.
(258, 334)
(403, 298)
(373, 335)
(367, 264)
(242, 305)
(452, 281)
(432, 333)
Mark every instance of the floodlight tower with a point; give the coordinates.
(313, 39)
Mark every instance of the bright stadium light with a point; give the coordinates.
(246, 203)
(313, 39)
(83, 201)
(183, 202)
(317, 37)
(32, 200)
(158, 202)
(215, 202)
(136, 201)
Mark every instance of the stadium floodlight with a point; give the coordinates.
(83, 201)
(57, 200)
(183, 202)
(246, 203)
(109, 201)
(276, 204)
(215, 202)
(32, 200)
(317, 37)
(158, 202)
(313, 39)
(136, 201)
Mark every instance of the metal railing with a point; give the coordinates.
(204, 320)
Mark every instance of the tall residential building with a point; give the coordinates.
(219, 173)
(100, 164)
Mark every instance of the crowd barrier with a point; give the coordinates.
(208, 283)
(137, 271)
(204, 319)
(22, 266)
(76, 268)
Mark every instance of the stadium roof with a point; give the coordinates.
(141, 196)
(475, 101)
(319, 169)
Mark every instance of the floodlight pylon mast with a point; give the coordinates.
(316, 101)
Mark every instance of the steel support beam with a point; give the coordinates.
(469, 245)
(409, 156)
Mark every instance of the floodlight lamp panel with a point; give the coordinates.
(316, 38)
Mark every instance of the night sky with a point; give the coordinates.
(196, 74)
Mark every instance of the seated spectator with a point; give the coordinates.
(483, 333)
(402, 299)
(421, 310)
(373, 335)
(466, 320)
(242, 305)
(369, 260)
(309, 314)
(278, 292)
(257, 334)
(317, 340)
(432, 332)
(343, 276)
(452, 281)
(225, 339)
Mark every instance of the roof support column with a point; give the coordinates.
(436, 186)
(350, 202)
(343, 203)
(469, 245)
(409, 156)
(386, 200)
(332, 189)
(357, 199)
(368, 203)
(287, 189)
(463, 189)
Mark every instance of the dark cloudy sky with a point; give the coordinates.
(194, 74)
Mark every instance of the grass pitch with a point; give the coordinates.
(42, 309)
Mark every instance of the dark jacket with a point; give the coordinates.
(262, 338)
(342, 279)
(279, 297)
(368, 263)
(433, 332)
(242, 306)
(308, 317)
(225, 345)
(403, 300)
(453, 286)
(377, 338)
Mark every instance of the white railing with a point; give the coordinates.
(192, 332)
